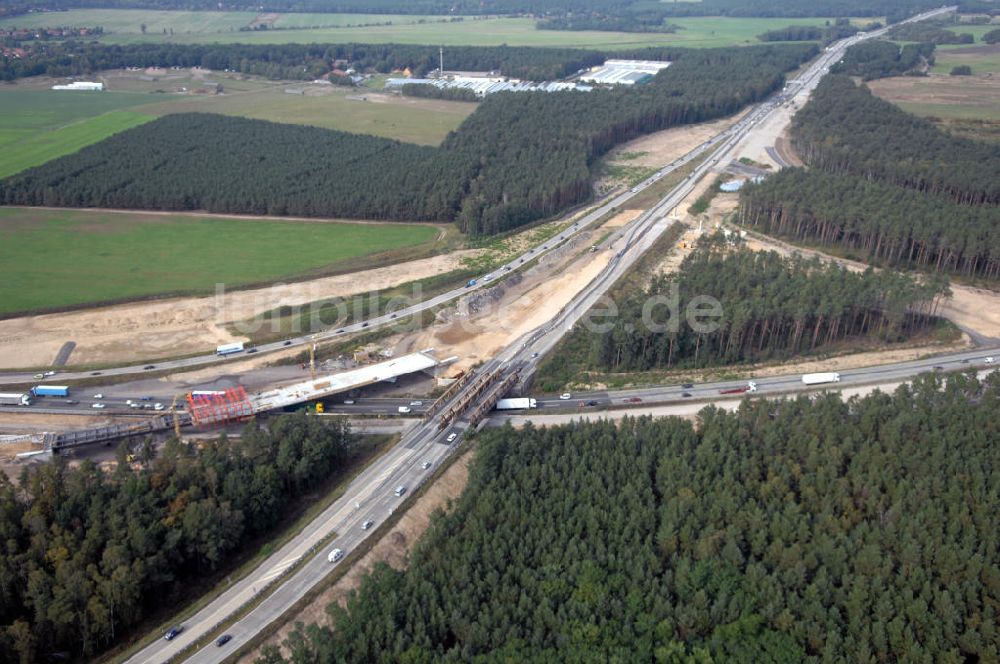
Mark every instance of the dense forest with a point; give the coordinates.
(771, 306)
(841, 29)
(294, 61)
(86, 553)
(800, 530)
(934, 32)
(845, 129)
(876, 222)
(887, 185)
(519, 157)
(434, 92)
(880, 59)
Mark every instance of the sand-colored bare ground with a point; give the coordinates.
(391, 549)
(622, 218)
(543, 292)
(662, 147)
(178, 326)
(974, 310)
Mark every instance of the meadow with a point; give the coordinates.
(39, 124)
(123, 26)
(982, 59)
(60, 258)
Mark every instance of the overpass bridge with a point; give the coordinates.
(236, 404)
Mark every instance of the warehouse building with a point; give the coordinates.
(624, 72)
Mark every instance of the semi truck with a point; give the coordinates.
(229, 349)
(820, 378)
(749, 387)
(522, 403)
(50, 391)
(10, 399)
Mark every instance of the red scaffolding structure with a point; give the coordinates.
(230, 406)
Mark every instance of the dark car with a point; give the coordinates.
(339, 331)
(146, 398)
(223, 640)
(686, 394)
(938, 368)
(364, 325)
(591, 403)
(287, 343)
(687, 386)
(172, 632)
(252, 350)
(633, 400)
(148, 367)
(95, 373)
(392, 316)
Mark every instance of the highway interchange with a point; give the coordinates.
(285, 576)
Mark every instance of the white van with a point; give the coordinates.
(335, 555)
(400, 490)
(404, 409)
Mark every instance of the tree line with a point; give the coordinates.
(934, 32)
(85, 554)
(771, 306)
(841, 29)
(845, 129)
(876, 58)
(520, 157)
(293, 61)
(877, 222)
(888, 186)
(799, 530)
(895, 9)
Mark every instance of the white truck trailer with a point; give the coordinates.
(12, 399)
(820, 378)
(522, 403)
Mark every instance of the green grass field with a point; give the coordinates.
(132, 20)
(981, 58)
(37, 126)
(59, 258)
(123, 26)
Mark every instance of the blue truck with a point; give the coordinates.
(50, 391)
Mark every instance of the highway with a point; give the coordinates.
(371, 497)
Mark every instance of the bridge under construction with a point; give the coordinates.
(235, 404)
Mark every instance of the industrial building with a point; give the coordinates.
(624, 72)
(484, 85)
(80, 85)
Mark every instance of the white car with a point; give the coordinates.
(452, 437)
(427, 464)
(565, 396)
(158, 406)
(49, 373)
(97, 405)
(416, 403)
(98, 396)
(335, 555)
(349, 402)
(367, 524)
(400, 490)
(990, 360)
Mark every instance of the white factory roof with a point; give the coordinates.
(342, 382)
(80, 85)
(486, 85)
(624, 72)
